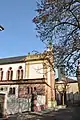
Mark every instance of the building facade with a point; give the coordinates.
(78, 75)
(23, 76)
(67, 91)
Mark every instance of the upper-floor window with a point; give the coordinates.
(10, 74)
(20, 73)
(1, 73)
(28, 90)
(31, 90)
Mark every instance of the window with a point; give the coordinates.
(1, 89)
(10, 74)
(20, 73)
(31, 90)
(34, 88)
(12, 91)
(28, 90)
(1, 73)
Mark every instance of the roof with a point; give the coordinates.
(69, 80)
(18, 59)
(12, 60)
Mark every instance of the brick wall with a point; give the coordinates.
(26, 90)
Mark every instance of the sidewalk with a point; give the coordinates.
(60, 113)
(42, 112)
(48, 110)
(29, 115)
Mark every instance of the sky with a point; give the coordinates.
(19, 35)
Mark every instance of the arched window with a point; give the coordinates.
(10, 74)
(28, 90)
(1, 73)
(20, 73)
(1, 88)
(31, 90)
(34, 88)
(12, 91)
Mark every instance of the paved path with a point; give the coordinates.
(72, 113)
(65, 114)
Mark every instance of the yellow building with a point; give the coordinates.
(67, 91)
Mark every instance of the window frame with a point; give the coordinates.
(10, 74)
(12, 91)
(20, 73)
(1, 74)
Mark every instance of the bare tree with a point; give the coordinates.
(59, 21)
(62, 88)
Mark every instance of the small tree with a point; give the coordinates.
(62, 88)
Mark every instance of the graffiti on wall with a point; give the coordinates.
(15, 105)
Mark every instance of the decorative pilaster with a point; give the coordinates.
(27, 67)
(52, 76)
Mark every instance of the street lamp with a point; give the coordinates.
(1, 28)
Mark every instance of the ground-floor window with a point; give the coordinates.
(12, 91)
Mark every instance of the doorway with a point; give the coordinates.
(2, 98)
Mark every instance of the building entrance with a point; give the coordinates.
(2, 98)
